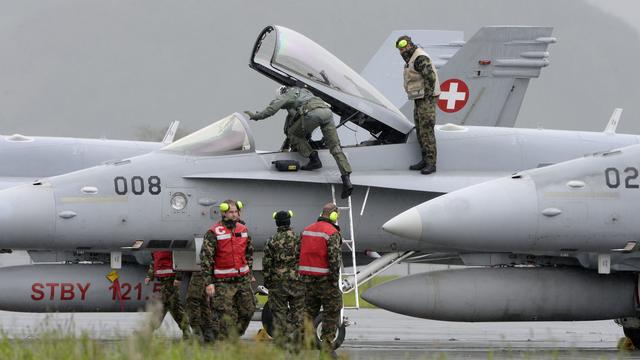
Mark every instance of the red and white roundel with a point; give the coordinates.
(454, 94)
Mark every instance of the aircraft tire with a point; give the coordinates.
(634, 335)
(267, 319)
(340, 334)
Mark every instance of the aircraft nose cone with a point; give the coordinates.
(27, 216)
(408, 224)
(496, 215)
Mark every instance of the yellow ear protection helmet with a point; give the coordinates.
(224, 206)
(403, 41)
(333, 215)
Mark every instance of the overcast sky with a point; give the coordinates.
(97, 68)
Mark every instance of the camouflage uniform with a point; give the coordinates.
(424, 111)
(286, 292)
(311, 112)
(324, 291)
(199, 307)
(233, 301)
(170, 298)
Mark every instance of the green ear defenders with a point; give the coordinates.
(334, 216)
(224, 206)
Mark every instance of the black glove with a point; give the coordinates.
(251, 115)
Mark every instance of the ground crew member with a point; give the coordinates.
(311, 112)
(199, 307)
(227, 260)
(286, 292)
(422, 85)
(161, 268)
(319, 267)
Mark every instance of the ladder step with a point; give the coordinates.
(344, 207)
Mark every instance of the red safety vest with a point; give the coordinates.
(231, 246)
(163, 264)
(314, 255)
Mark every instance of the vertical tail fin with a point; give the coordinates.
(384, 69)
(171, 132)
(614, 120)
(484, 83)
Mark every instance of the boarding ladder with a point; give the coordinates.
(351, 245)
(351, 281)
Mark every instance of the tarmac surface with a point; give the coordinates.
(379, 334)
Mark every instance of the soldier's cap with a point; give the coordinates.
(283, 217)
(404, 41)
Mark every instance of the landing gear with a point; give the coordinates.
(267, 319)
(267, 324)
(340, 334)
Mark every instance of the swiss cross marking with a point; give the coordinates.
(454, 94)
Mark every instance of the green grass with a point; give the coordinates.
(142, 345)
(350, 299)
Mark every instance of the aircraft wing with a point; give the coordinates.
(440, 182)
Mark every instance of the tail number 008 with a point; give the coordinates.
(137, 183)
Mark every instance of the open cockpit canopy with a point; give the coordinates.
(291, 58)
(228, 135)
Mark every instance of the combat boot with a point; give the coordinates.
(418, 166)
(428, 170)
(208, 335)
(347, 187)
(314, 162)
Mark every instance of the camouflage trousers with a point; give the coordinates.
(323, 118)
(171, 303)
(424, 116)
(286, 300)
(234, 304)
(199, 305)
(322, 291)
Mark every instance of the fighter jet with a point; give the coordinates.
(27, 158)
(564, 238)
(117, 212)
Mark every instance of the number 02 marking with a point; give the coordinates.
(613, 179)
